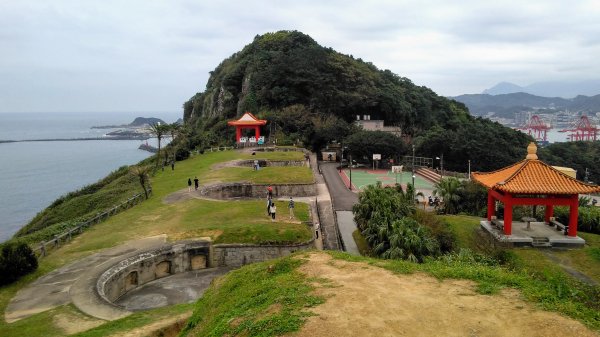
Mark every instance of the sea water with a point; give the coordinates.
(34, 174)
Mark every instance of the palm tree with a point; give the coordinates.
(448, 189)
(175, 130)
(141, 172)
(158, 131)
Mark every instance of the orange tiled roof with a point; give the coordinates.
(248, 119)
(532, 176)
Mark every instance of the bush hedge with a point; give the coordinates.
(16, 260)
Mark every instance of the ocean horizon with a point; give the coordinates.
(34, 174)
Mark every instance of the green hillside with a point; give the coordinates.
(310, 93)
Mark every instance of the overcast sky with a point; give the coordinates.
(149, 55)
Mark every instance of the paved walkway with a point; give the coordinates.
(347, 227)
(75, 283)
(342, 200)
(325, 210)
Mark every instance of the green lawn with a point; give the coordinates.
(223, 221)
(274, 155)
(266, 175)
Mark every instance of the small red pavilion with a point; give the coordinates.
(247, 121)
(533, 182)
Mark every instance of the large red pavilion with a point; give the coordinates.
(247, 121)
(533, 182)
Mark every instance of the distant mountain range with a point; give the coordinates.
(549, 89)
(506, 105)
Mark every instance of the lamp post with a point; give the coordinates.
(413, 167)
(441, 158)
(469, 169)
(350, 158)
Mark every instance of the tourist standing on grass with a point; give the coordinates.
(273, 211)
(269, 201)
(196, 183)
(270, 191)
(189, 184)
(291, 207)
(173, 165)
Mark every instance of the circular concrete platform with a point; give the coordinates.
(179, 288)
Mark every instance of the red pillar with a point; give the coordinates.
(573, 212)
(549, 212)
(257, 132)
(490, 207)
(508, 213)
(238, 133)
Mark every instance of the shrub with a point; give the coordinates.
(438, 229)
(182, 154)
(16, 260)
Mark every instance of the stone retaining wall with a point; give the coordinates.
(265, 163)
(181, 257)
(248, 190)
(237, 255)
(149, 266)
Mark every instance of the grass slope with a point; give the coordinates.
(262, 299)
(223, 221)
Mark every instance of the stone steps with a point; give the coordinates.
(428, 174)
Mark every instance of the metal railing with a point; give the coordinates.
(44, 247)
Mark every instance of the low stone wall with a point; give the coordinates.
(181, 257)
(248, 190)
(237, 255)
(149, 266)
(265, 163)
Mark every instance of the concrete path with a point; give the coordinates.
(342, 200)
(179, 288)
(347, 227)
(75, 283)
(324, 207)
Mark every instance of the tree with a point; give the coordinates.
(363, 144)
(383, 215)
(448, 189)
(141, 172)
(16, 260)
(159, 132)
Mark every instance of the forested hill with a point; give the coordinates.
(312, 94)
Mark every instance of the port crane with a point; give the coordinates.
(536, 128)
(582, 130)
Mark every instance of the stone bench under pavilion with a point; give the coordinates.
(533, 182)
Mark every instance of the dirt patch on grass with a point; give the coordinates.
(370, 301)
(72, 323)
(165, 328)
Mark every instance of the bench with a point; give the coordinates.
(559, 226)
(497, 223)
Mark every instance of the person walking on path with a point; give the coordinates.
(190, 184)
(269, 201)
(291, 207)
(273, 210)
(196, 183)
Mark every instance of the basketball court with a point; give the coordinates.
(361, 178)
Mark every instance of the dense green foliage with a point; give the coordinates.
(16, 260)
(312, 94)
(363, 144)
(384, 216)
(488, 145)
(261, 299)
(588, 219)
(576, 155)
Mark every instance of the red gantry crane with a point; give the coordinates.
(583, 129)
(536, 128)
